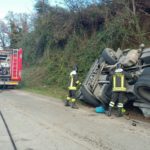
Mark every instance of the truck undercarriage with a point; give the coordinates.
(96, 89)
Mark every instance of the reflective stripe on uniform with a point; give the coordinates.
(120, 105)
(71, 83)
(111, 104)
(78, 82)
(68, 98)
(119, 89)
(119, 77)
(73, 100)
(123, 110)
(114, 81)
(72, 88)
(122, 81)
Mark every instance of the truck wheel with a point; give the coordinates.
(89, 98)
(142, 86)
(146, 71)
(146, 50)
(146, 56)
(109, 56)
(144, 107)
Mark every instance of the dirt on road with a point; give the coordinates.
(42, 123)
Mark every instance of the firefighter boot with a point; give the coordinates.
(73, 105)
(119, 113)
(108, 113)
(66, 103)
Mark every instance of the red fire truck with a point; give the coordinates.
(10, 66)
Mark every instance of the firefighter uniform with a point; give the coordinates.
(74, 82)
(118, 89)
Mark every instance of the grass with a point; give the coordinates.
(48, 91)
(33, 79)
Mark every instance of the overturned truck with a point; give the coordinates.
(96, 88)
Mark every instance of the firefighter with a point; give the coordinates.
(118, 79)
(72, 88)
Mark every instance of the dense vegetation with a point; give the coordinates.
(55, 38)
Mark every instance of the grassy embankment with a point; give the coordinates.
(57, 44)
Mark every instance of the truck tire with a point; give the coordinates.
(144, 107)
(146, 56)
(146, 50)
(89, 98)
(109, 56)
(142, 86)
(146, 71)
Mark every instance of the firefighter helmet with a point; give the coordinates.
(119, 70)
(118, 66)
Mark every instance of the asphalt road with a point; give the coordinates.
(42, 123)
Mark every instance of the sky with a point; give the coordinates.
(20, 6)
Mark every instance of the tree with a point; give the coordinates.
(4, 39)
(41, 6)
(17, 26)
(76, 5)
(23, 22)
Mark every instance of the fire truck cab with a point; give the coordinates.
(10, 66)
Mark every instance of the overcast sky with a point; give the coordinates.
(20, 6)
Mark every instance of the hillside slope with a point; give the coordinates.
(62, 38)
